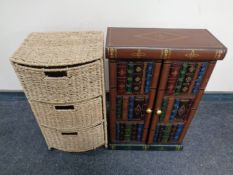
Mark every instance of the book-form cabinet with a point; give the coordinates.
(156, 80)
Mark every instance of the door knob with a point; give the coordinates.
(158, 112)
(148, 111)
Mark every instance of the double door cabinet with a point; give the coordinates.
(156, 80)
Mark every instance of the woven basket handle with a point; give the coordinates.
(67, 107)
(69, 133)
(55, 74)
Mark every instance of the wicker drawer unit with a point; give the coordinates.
(62, 76)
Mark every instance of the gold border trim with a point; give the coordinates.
(165, 53)
(138, 54)
(112, 53)
(218, 53)
(192, 54)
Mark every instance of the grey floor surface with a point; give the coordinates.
(208, 148)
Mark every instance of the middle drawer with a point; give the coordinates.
(69, 115)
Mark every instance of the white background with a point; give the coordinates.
(20, 17)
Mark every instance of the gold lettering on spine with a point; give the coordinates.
(112, 52)
(218, 53)
(192, 54)
(138, 54)
(165, 54)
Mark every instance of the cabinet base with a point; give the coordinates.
(145, 147)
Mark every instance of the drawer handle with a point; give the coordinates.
(56, 74)
(68, 107)
(69, 133)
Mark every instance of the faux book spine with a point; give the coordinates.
(121, 77)
(137, 77)
(126, 132)
(173, 75)
(149, 73)
(168, 133)
(199, 78)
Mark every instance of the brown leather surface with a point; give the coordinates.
(190, 44)
(162, 38)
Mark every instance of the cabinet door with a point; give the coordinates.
(133, 86)
(180, 89)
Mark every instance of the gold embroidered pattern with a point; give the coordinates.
(192, 54)
(112, 52)
(166, 53)
(138, 54)
(218, 53)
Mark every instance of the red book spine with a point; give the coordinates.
(125, 108)
(173, 75)
(121, 77)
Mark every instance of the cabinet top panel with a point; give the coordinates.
(157, 43)
(49, 49)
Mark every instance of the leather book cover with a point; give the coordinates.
(121, 77)
(157, 43)
(125, 108)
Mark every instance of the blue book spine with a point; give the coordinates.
(199, 78)
(174, 110)
(156, 134)
(149, 72)
(178, 132)
(130, 107)
(139, 132)
(118, 132)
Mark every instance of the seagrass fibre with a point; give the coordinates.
(59, 49)
(83, 114)
(62, 75)
(74, 140)
(62, 85)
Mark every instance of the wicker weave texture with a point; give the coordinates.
(74, 140)
(69, 115)
(59, 49)
(79, 83)
(63, 78)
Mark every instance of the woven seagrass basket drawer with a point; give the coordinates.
(69, 115)
(61, 85)
(74, 140)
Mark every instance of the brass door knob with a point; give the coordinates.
(158, 112)
(148, 111)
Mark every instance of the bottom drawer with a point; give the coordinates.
(74, 140)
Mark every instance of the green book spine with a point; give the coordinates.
(160, 135)
(118, 107)
(166, 133)
(134, 132)
(181, 78)
(137, 76)
(129, 79)
(188, 77)
(163, 108)
(127, 132)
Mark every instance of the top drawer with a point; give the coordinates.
(61, 85)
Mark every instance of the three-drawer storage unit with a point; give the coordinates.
(62, 76)
(156, 79)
